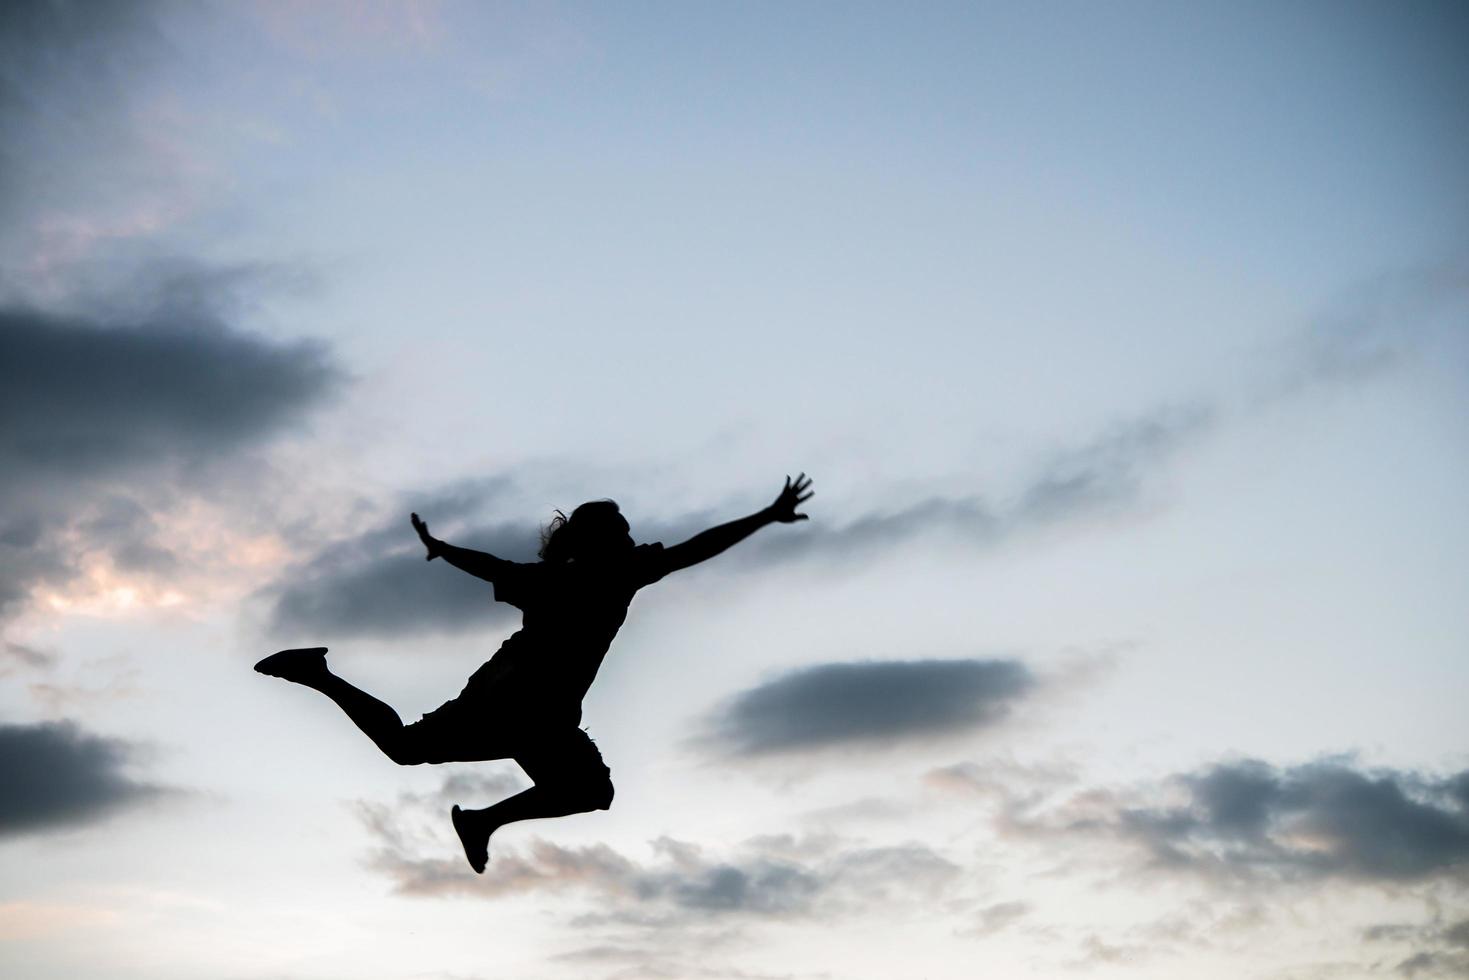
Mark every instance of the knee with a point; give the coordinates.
(404, 753)
(599, 794)
(593, 794)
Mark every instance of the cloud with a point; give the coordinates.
(1252, 821)
(867, 703)
(356, 589)
(102, 423)
(679, 883)
(1319, 819)
(1431, 950)
(645, 963)
(376, 582)
(997, 917)
(15, 656)
(765, 878)
(1372, 328)
(55, 775)
(1097, 478)
(95, 682)
(1092, 479)
(379, 584)
(80, 399)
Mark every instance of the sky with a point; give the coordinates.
(1127, 346)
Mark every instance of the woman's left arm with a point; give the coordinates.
(707, 544)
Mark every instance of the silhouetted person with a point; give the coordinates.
(525, 702)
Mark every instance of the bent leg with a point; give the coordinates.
(570, 777)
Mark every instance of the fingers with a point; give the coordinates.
(794, 493)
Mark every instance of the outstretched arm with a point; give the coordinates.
(478, 563)
(707, 544)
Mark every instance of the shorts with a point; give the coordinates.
(548, 748)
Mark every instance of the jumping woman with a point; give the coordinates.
(525, 702)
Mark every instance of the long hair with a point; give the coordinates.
(560, 539)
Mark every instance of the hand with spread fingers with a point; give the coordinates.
(792, 496)
(430, 542)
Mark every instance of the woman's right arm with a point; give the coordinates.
(477, 563)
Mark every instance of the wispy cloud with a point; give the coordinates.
(996, 918)
(762, 879)
(678, 883)
(376, 583)
(15, 656)
(1372, 328)
(1435, 949)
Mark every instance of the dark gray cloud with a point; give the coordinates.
(867, 702)
(100, 423)
(79, 399)
(54, 775)
(379, 584)
(1252, 821)
(1324, 818)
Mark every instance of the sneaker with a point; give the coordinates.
(295, 665)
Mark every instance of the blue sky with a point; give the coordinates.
(1126, 345)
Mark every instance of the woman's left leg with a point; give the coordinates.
(375, 719)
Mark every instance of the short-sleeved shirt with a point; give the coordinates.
(572, 610)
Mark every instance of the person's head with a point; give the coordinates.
(594, 530)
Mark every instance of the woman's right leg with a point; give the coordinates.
(377, 720)
(570, 777)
